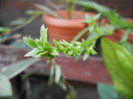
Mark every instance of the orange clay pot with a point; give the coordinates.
(118, 34)
(64, 28)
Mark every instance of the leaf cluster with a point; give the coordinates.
(42, 48)
(115, 19)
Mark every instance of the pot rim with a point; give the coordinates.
(64, 22)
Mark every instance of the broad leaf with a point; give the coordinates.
(5, 86)
(128, 46)
(107, 91)
(18, 67)
(120, 66)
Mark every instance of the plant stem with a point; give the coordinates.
(24, 24)
(80, 34)
(70, 7)
(71, 89)
(126, 35)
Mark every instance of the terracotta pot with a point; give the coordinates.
(118, 34)
(64, 28)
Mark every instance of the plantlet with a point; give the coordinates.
(42, 48)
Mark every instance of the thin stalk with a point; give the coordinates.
(24, 24)
(71, 89)
(67, 83)
(70, 7)
(80, 34)
(126, 35)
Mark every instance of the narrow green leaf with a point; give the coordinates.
(127, 45)
(43, 34)
(52, 75)
(33, 12)
(126, 35)
(93, 52)
(93, 5)
(107, 91)
(19, 21)
(54, 52)
(4, 30)
(34, 53)
(16, 68)
(80, 34)
(86, 55)
(47, 10)
(5, 86)
(58, 73)
(97, 16)
(31, 43)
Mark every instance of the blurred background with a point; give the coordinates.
(12, 9)
(36, 87)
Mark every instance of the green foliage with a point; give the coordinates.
(4, 30)
(47, 10)
(125, 36)
(120, 66)
(95, 29)
(70, 7)
(11, 71)
(5, 86)
(19, 21)
(116, 20)
(16, 68)
(93, 5)
(33, 12)
(41, 47)
(70, 96)
(56, 76)
(107, 91)
(128, 46)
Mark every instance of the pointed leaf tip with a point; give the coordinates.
(43, 34)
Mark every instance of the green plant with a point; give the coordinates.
(119, 63)
(114, 55)
(11, 71)
(42, 48)
(117, 21)
(70, 7)
(107, 91)
(5, 32)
